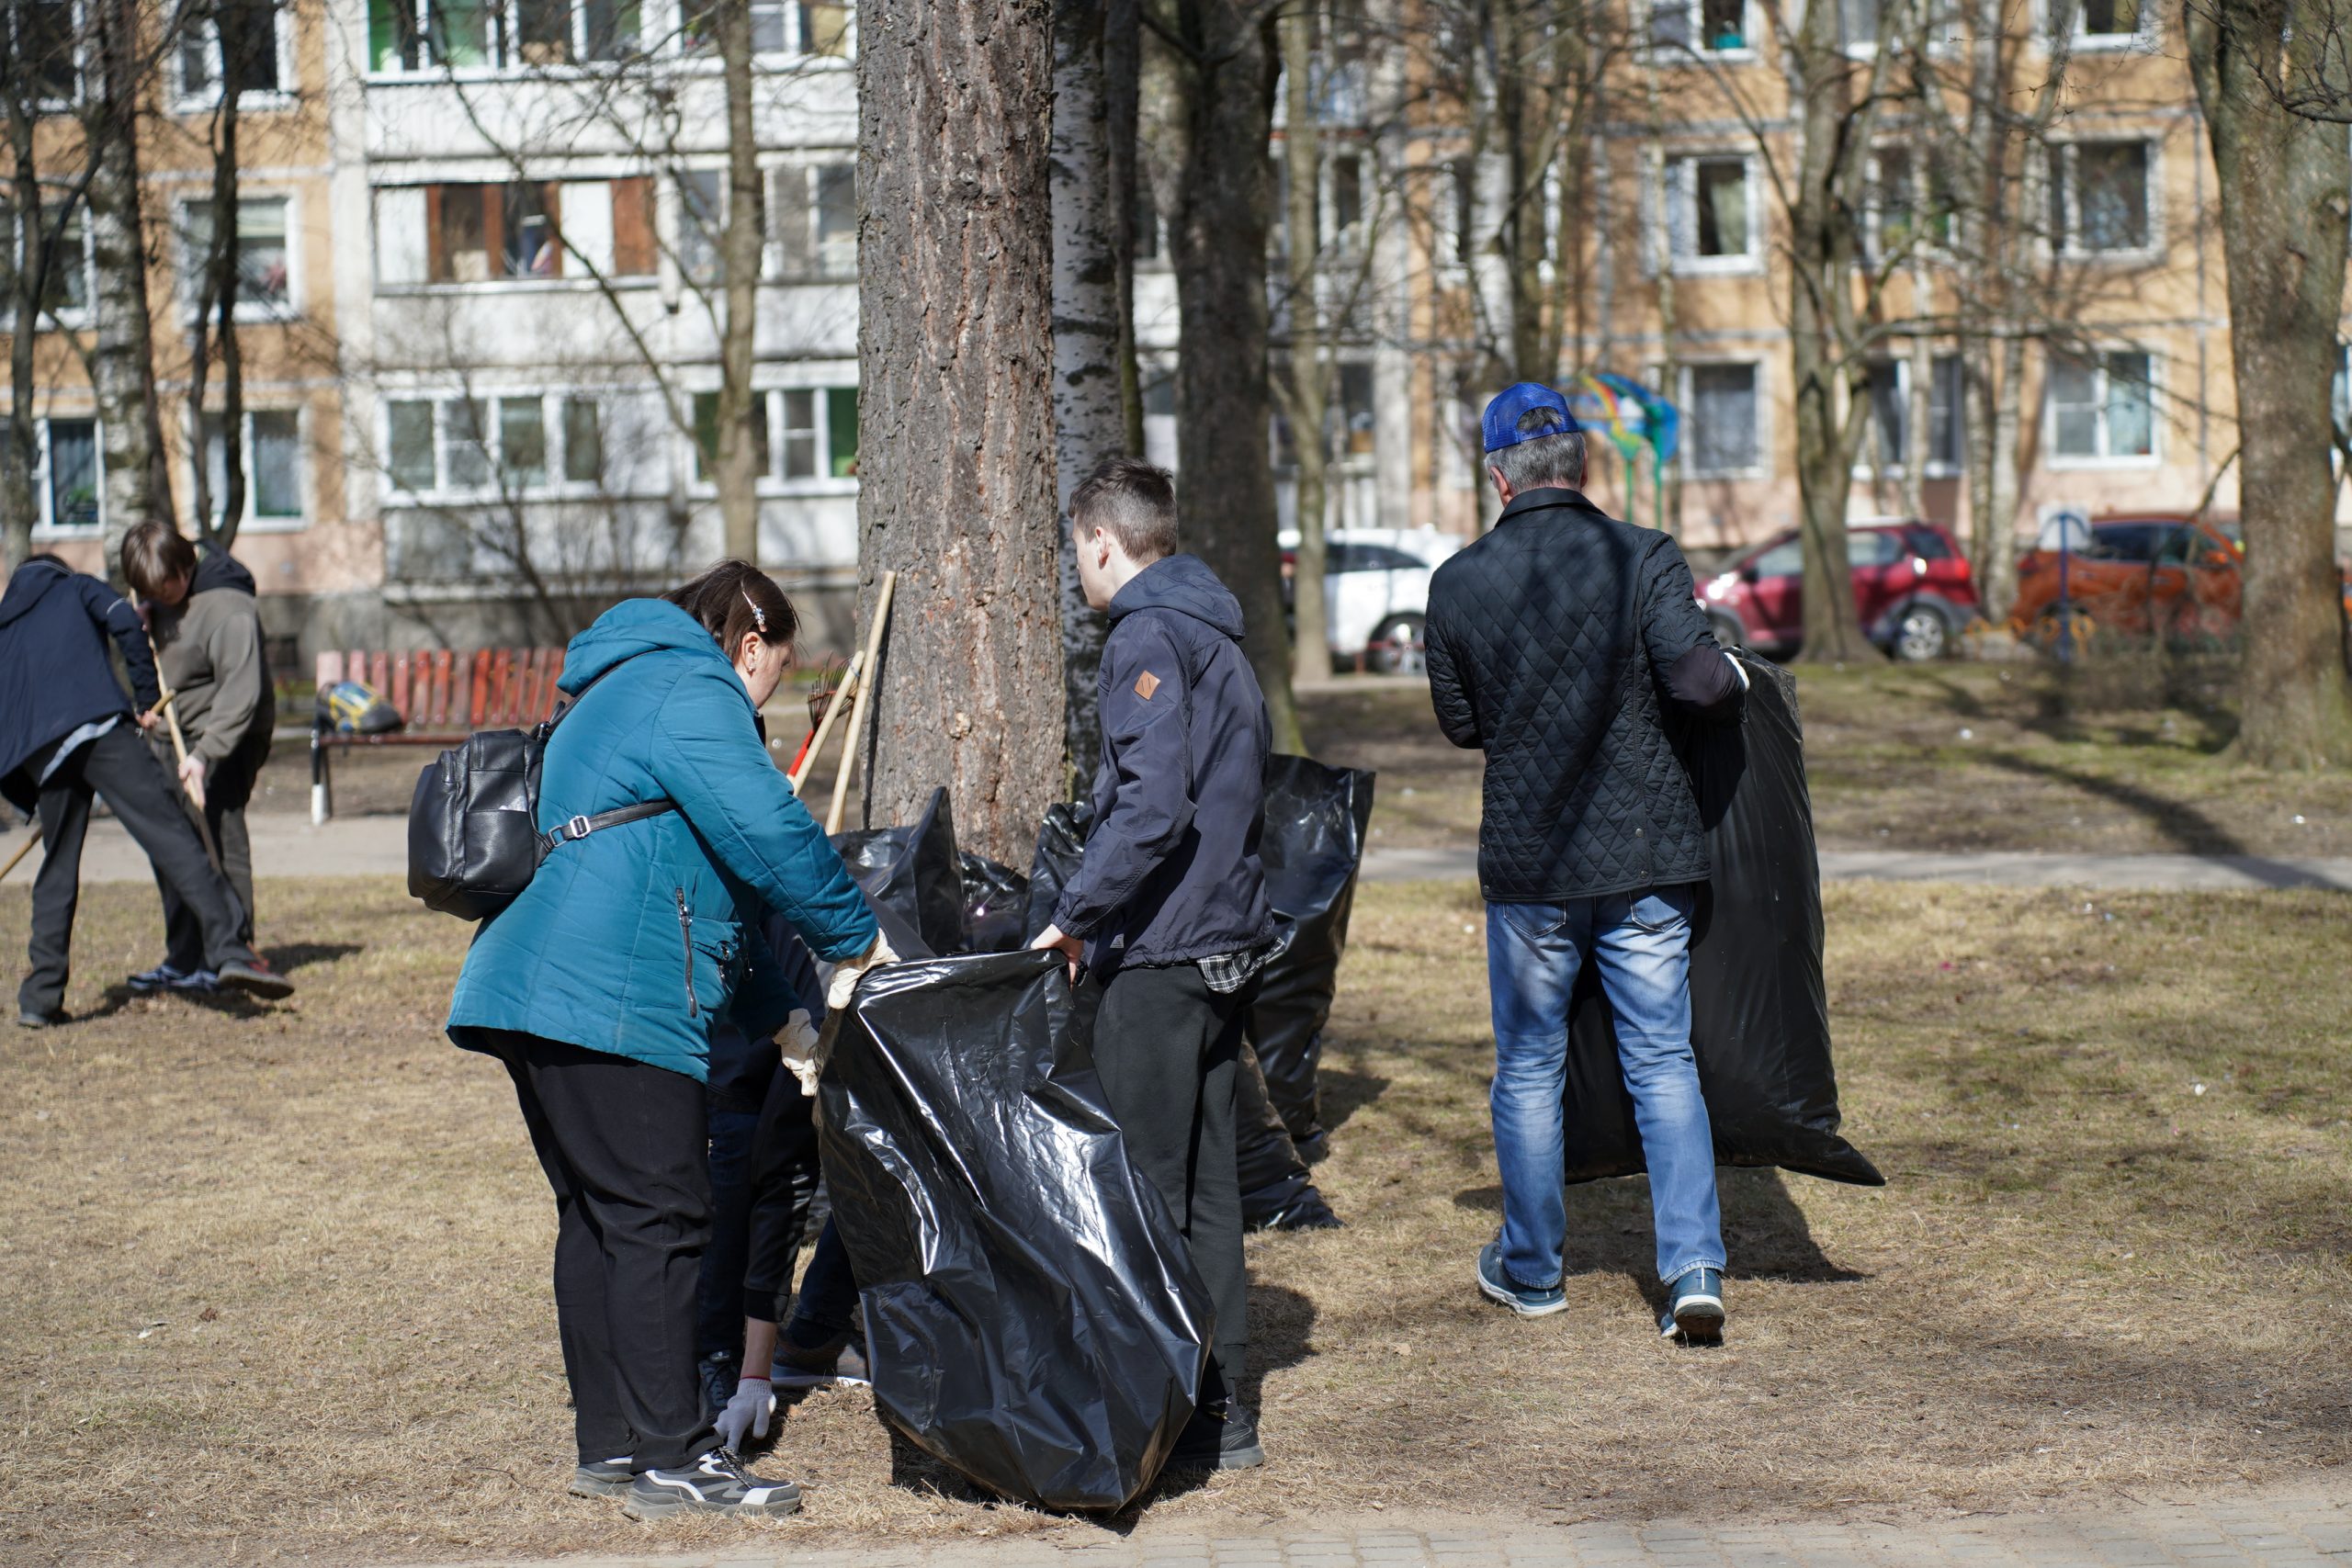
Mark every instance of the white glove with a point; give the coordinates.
(748, 1414)
(798, 1041)
(850, 970)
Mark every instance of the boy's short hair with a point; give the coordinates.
(1131, 500)
(153, 554)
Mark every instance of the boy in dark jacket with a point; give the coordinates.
(208, 636)
(67, 733)
(1169, 908)
(1554, 641)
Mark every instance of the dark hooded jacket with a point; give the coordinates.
(54, 674)
(1171, 870)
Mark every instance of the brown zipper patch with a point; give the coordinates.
(1147, 684)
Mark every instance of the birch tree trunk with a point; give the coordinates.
(123, 361)
(1217, 242)
(955, 395)
(2283, 181)
(1090, 403)
(736, 464)
(1307, 404)
(1123, 108)
(1918, 440)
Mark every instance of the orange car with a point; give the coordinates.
(2183, 566)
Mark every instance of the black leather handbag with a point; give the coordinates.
(473, 836)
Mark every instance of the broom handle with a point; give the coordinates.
(841, 695)
(179, 750)
(858, 719)
(22, 851)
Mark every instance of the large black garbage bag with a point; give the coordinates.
(1277, 1194)
(913, 878)
(1316, 821)
(1032, 1317)
(1759, 1012)
(1061, 844)
(996, 905)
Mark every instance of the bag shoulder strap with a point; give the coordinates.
(580, 827)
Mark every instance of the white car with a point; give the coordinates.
(1377, 592)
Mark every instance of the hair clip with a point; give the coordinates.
(759, 616)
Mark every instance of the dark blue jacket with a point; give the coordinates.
(1171, 870)
(54, 675)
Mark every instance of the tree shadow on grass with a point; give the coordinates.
(286, 957)
(2190, 829)
(1341, 1093)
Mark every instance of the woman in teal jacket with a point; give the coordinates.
(598, 989)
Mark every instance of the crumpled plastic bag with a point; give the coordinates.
(1760, 1011)
(1033, 1319)
(996, 905)
(1317, 818)
(1277, 1192)
(914, 878)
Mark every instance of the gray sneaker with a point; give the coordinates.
(602, 1478)
(714, 1483)
(255, 978)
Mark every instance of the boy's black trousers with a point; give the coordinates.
(1167, 1048)
(625, 1145)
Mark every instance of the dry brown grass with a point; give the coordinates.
(2127, 758)
(276, 1281)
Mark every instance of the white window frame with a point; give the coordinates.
(1694, 14)
(186, 98)
(771, 481)
(2066, 175)
(253, 522)
(1675, 191)
(65, 105)
(2141, 42)
(249, 310)
(1762, 371)
(1923, 193)
(1938, 467)
(2099, 357)
(45, 525)
(653, 20)
(551, 487)
(68, 318)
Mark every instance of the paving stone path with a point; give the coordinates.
(2304, 1527)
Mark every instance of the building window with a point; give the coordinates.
(67, 484)
(1710, 218)
(702, 223)
(1347, 202)
(41, 44)
(798, 413)
(812, 221)
(505, 445)
(2099, 197)
(1720, 437)
(490, 233)
(1905, 212)
(2111, 23)
(67, 291)
(237, 43)
(1718, 26)
(261, 254)
(797, 433)
(459, 35)
(272, 454)
(1891, 414)
(778, 27)
(2102, 408)
(584, 442)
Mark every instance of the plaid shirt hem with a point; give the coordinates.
(1228, 972)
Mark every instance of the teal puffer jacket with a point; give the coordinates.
(639, 938)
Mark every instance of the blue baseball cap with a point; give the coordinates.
(1514, 404)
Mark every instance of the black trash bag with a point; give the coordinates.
(1759, 1012)
(1277, 1194)
(996, 906)
(1061, 844)
(1032, 1317)
(913, 878)
(1316, 821)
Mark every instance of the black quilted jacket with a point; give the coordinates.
(1550, 641)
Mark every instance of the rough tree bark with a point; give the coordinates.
(2283, 181)
(1225, 72)
(1122, 108)
(956, 411)
(1304, 393)
(28, 275)
(1090, 403)
(736, 464)
(123, 361)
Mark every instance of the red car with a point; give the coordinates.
(1912, 587)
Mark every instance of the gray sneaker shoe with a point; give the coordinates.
(28, 1019)
(1498, 1286)
(256, 978)
(1694, 1308)
(714, 1483)
(602, 1478)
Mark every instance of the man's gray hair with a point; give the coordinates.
(1543, 461)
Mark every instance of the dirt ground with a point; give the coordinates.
(2121, 759)
(276, 1279)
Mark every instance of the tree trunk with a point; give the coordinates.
(1670, 322)
(1121, 103)
(1090, 404)
(20, 451)
(1307, 404)
(122, 364)
(1218, 246)
(955, 399)
(1997, 583)
(218, 299)
(1821, 247)
(1919, 439)
(2283, 181)
(737, 462)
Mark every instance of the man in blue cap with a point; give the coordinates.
(1555, 643)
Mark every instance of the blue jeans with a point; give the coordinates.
(1641, 942)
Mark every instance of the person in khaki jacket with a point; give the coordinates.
(209, 649)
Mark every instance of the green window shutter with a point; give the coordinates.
(841, 430)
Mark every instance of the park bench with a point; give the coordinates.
(442, 697)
